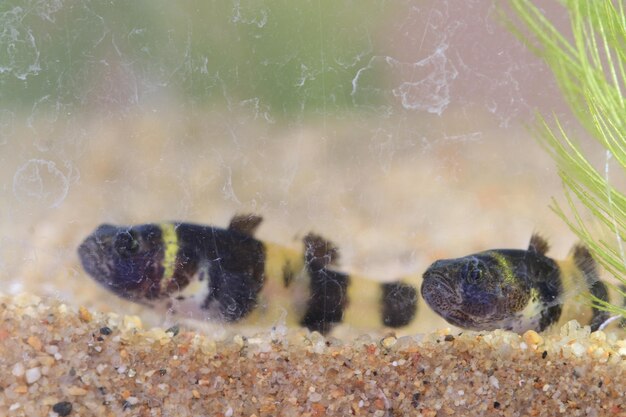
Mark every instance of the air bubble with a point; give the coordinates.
(40, 181)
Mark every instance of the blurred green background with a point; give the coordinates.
(285, 57)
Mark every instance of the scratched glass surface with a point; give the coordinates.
(394, 129)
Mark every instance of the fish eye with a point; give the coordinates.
(473, 273)
(126, 243)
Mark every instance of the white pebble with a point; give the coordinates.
(494, 382)
(578, 349)
(315, 397)
(18, 369)
(132, 400)
(229, 412)
(33, 375)
(14, 406)
(52, 349)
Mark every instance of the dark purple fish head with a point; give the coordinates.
(125, 260)
(467, 292)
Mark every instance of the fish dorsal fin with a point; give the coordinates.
(319, 251)
(538, 244)
(245, 223)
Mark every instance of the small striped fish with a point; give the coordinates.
(228, 275)
(513, 289)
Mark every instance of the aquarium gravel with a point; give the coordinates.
(59, 360)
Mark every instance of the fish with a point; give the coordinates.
(227, 275)
(514, 289)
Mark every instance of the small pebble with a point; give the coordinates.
(532, 338)
(18, 369)
(63, 408)
(35, 343)
(174, 330)
(84, 314)
(105, 331)
(21, 389)
(131, 322)
(415, 399)
(33, 375)
(315, 397)
(52, 349)
(578, 349)
(388, 342)
(74, 390)
(239, 340)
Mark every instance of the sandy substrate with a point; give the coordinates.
(79, 363)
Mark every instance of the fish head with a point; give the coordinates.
(470, 292)
(125, 260)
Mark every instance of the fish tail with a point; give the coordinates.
(588, 267)
(398, 303)
(343, 297)
(372, 303)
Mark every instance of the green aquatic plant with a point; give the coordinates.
(590, 68)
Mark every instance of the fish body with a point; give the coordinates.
(511, 289)
(227, 275)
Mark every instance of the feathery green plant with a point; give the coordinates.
(590, 68)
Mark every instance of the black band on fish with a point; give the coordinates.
(233, 294)
(327, 301)
(319, 252)
(399, 304)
